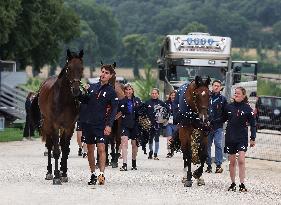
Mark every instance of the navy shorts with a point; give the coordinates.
(234, 148)
(130, 132)
(79, 126)
(93, 134)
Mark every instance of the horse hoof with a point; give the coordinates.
(184, 179)
(64, 179)
(49, 176)
(200, 182)
(56, 182)
(188, 184)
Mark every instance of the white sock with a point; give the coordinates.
(94, 173)
(101, 173)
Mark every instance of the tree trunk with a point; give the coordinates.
(136, 70)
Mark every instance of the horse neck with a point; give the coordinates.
(189, 97)
(63, 87)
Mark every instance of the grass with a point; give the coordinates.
(13, 134)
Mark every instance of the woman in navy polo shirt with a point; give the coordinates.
(239, 115)
(129, 127)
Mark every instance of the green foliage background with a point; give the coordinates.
(269, 88)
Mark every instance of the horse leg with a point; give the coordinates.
(116, 142)
(203, 156)
(64, 143)
(114, 153)
(185, 139)
(187, 163)
(56, 153)
(106, 152)
(49, 145)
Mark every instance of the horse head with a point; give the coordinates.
(198, 97)
(73, 71)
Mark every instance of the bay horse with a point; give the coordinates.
(193, 128)
(115, 137)
(55, 109)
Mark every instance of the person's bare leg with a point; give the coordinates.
(124, 144)
(79, 135)
(102, 158)
(232, 167)
(91, 157)
(134, 149)
(241, 165)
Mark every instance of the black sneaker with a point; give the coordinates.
(124, 167)
(169, 155)
(209, 169)
(242, 188)
(85, 154)
(150, 155)
(232, 187)
(134, 168)
(93, 180)
(156, 157)
(80, 151)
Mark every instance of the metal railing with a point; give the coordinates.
(12, 101)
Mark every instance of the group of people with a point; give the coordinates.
(100, 107)
(238, 115)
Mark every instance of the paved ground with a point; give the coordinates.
(23, 168)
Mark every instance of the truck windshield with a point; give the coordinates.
(184, 73)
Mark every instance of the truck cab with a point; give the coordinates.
(183, 57)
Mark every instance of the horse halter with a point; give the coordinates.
(71, 82)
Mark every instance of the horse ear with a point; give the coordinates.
(208, 81)
(81, 53)
(68, 53)
(101, 63)
(198, 81)
(114, 65)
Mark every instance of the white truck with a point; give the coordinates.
(185, 56)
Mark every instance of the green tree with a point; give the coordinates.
(136, 50)
(8, 13)
(40, 28)
(100, 31)
(194, 27)
(145, 84)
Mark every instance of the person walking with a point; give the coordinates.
(239, 115)
(28, 131)
(98, 119)
(170, 128)
(216, 109)
(152, 105)
(129, 127)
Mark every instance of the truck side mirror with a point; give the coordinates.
(237, 75)
(162, 74)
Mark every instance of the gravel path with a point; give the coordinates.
(23, 168)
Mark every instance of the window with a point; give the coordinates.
(2, 123)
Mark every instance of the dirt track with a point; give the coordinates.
(23, 168)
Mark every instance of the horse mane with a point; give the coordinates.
(62, 71)
(119, 89)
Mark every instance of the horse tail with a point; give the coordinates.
(35, 113)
